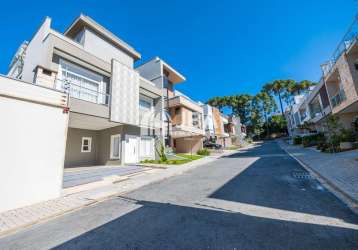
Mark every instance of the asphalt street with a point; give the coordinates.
(259, 198)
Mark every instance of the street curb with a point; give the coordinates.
(339, 193)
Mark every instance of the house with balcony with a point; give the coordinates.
(311, 109)
(340, 74)
(114, 113)
(182, 117)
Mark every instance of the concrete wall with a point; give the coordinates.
(188, 144)
(101, 48)
(125, 94)
(33, 133)
(74, 157)
(152, 71)
(35, 52)
(105, 145)
(218, 123)
(346, 82)
(346, 119)
(208, 120)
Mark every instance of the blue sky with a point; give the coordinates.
(222, 47)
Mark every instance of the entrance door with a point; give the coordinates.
(131, 149)
(147, 148)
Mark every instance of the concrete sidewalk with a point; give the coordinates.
(13, 220)
(338, 172)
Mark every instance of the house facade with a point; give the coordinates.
(114, 113)
(182, 117)
(336, 93)
(222, 129)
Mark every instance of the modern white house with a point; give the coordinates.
(114, 112)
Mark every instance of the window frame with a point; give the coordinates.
(146, 99)
(111, 156)
(89, 139)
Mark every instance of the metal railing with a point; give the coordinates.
(348, 39)
(83, 93)
(338, 98)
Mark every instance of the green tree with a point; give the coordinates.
(266, 104)
(277, 88)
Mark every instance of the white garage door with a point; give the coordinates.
(147, 147)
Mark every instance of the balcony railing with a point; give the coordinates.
(348, 39)
(338, 98)
(83, 93)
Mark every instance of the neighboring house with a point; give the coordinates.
(115, 114)
(311, 109)
(237, 130)
(341, 78)
(217, 126)
(336, 93)
(222, 129)
(182, 117)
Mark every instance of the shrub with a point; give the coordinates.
(161, 152)
(346, 135)
(203, 151)
(297, 140)
(312, 140)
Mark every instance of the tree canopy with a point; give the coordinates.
(258, 112)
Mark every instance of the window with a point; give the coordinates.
(79, 38)
(115, 146)
(46, 72)
(86, 144)
(177, 111)
(145, 103)
(84, 84)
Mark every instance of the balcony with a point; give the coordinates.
(180, 130)
(338, 98)
(183, 101)
(83, 91)
(150, 119)
(349, 39)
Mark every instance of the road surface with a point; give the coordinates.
(259, 198)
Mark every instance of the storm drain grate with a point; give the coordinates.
(301, 175)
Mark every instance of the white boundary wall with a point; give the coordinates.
(33, 132)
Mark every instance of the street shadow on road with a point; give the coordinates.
(269, 182)
(166, 226)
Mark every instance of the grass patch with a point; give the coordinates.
(232, 148)
(190, 157)
(169, 162)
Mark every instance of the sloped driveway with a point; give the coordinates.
(85, 175)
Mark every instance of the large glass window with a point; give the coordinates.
(82, 83)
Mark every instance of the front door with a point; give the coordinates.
(131, 149)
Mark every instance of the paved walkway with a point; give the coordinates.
(339, 170)
(16, 219)
(79, 176)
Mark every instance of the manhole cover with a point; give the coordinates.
(301, 175)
